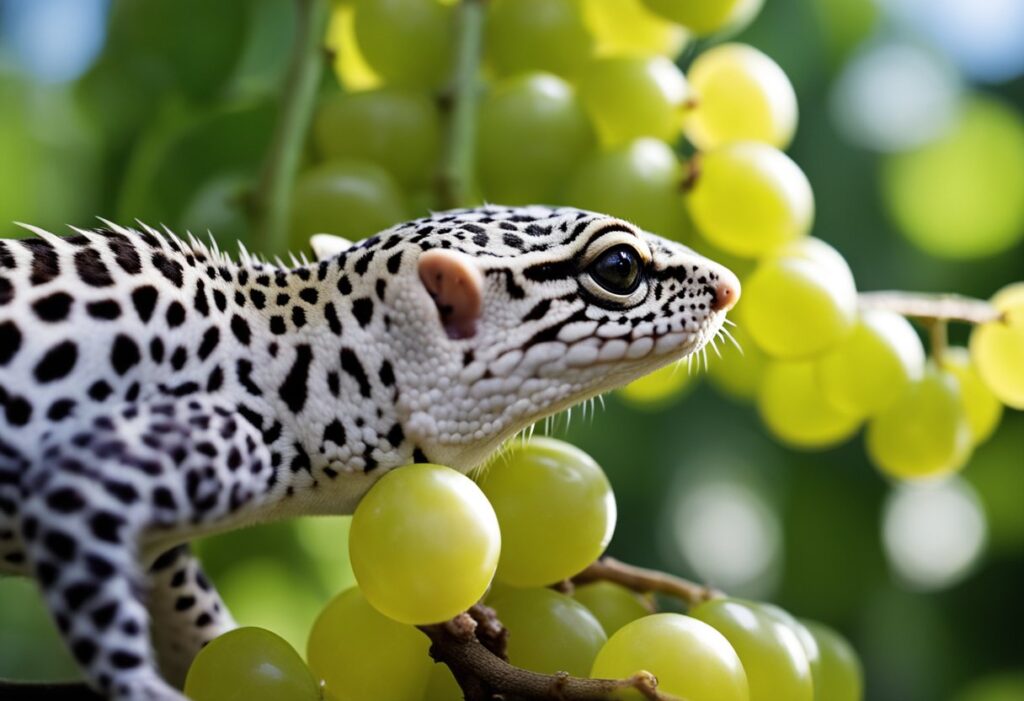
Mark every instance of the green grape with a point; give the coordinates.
(801, 301)
(548, 632)
(741, 95)
(659, 388)
(738, 373)
(925, 432)
(250, 664)
(750, 198)
(949, 206)
(771, 653)
(399, 130)
(632, 96)
(532, 133)
(424, 544)
(628, 28)
(638, 182)
(442, 685)
(612, 605)
(691, 659)
(983, 409)
(793, 407)
(555, 507)
(349, 65)
(866, 372)
(997, 347)
(835, 668)
(536, 35)
(352, 199)
(409, 43)
(707, 16)
(362, 654)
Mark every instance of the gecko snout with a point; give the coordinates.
(727, 291)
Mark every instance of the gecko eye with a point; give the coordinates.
(617, 269)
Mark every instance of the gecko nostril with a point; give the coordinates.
(727, 291)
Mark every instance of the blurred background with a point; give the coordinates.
(910, 126)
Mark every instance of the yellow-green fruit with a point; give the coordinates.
(556, 510)
(612, 605)
(628, 28)
(424, 544)
(690, 658)
(800, 302)
(707, 16)
(793, 407)
(925, 432)
(362, 654)
(350, 66)
(835, 668)
(983, 409)
(750, 198)
(997, 347)
(869, 369)
(250, 664)
(659, 388)
(740, 95)
(770, 650)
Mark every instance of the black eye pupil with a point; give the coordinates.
(617, 270)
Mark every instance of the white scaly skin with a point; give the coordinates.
(152, 390)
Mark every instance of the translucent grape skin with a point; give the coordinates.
(424, 544)
(997, 347)
(740, 94)
(629, 97)
(836, 669)
(556, 510)
(925, 432)
(612, 604)
(792, 406)
(690, 658)
(869, 369)
(409, 43)
(707, 16)
(983, 408)
(250, 664)
(628, 28)
(772, 655)
(750, 198)
(536, 35)
(532, 133)
(548, 632)
(361, 654)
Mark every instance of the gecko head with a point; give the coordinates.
(500, 316)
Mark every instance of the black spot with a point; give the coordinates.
(178, 358)
(293, 391)
(394, 262)
(65, 500)
(259, 300)
(332, 383)
(77, 594)
(6, 291)
(84, 651)
(240, 328)
(91, 268)
(219, 300)
(380, 288)
(350, 364)
(124, 355)
(215, 380)
(175, 314)
(144, 300)
(184, 603)
(18, 411)
(396, 435)
(277, 326)
(45, 266)
(344, 286)
(125, 255)
(156, 350)
(200, 303)
(100, 390)
(10, 341)
(419, 456)
(170, 269)
(58, 362)
(309, 294)
(386, 374)
(244, 371)
(106, 309)
(60, 409)
(105, 525)
(282, 299)
(362, 308)
(6, 258)
(298, 317)
(210, 340)
(538, 311)
(122, 659)
(335, 433)
(61, 545)
(332, 318)
(163, 498)
(99, 566)
(54, 307)
(103, 616)
(122, 491)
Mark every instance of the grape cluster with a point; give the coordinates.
(428, 543)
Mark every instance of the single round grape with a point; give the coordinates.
(424, 544)
(353, 72)
(628, 28)
(612, 604)
(532, 133)
(924, 433)
(632, 96)
(548, 632)
(707, 16)
(409, 43)
(771, 653)
(836, 669)
(556, 510)
(738, 372)
(998, 346)
(750, 198)
(659, 388)
(399, 130)
(691, 659)
(801, 301)
(638, 182)
(353, 199)
(983, 408)
(536, 35)
(793, 407)
(741, 95)
(360, 654)
(250, 664)
(867, 371)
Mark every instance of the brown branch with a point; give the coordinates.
(644, 581)
(930, 307)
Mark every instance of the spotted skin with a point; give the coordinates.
(153, 390)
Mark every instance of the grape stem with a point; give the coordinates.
(932, 307)
(458, 104)
(645, 581)
(269, 203)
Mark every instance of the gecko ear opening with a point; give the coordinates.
(456, 286)
(328, 245)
